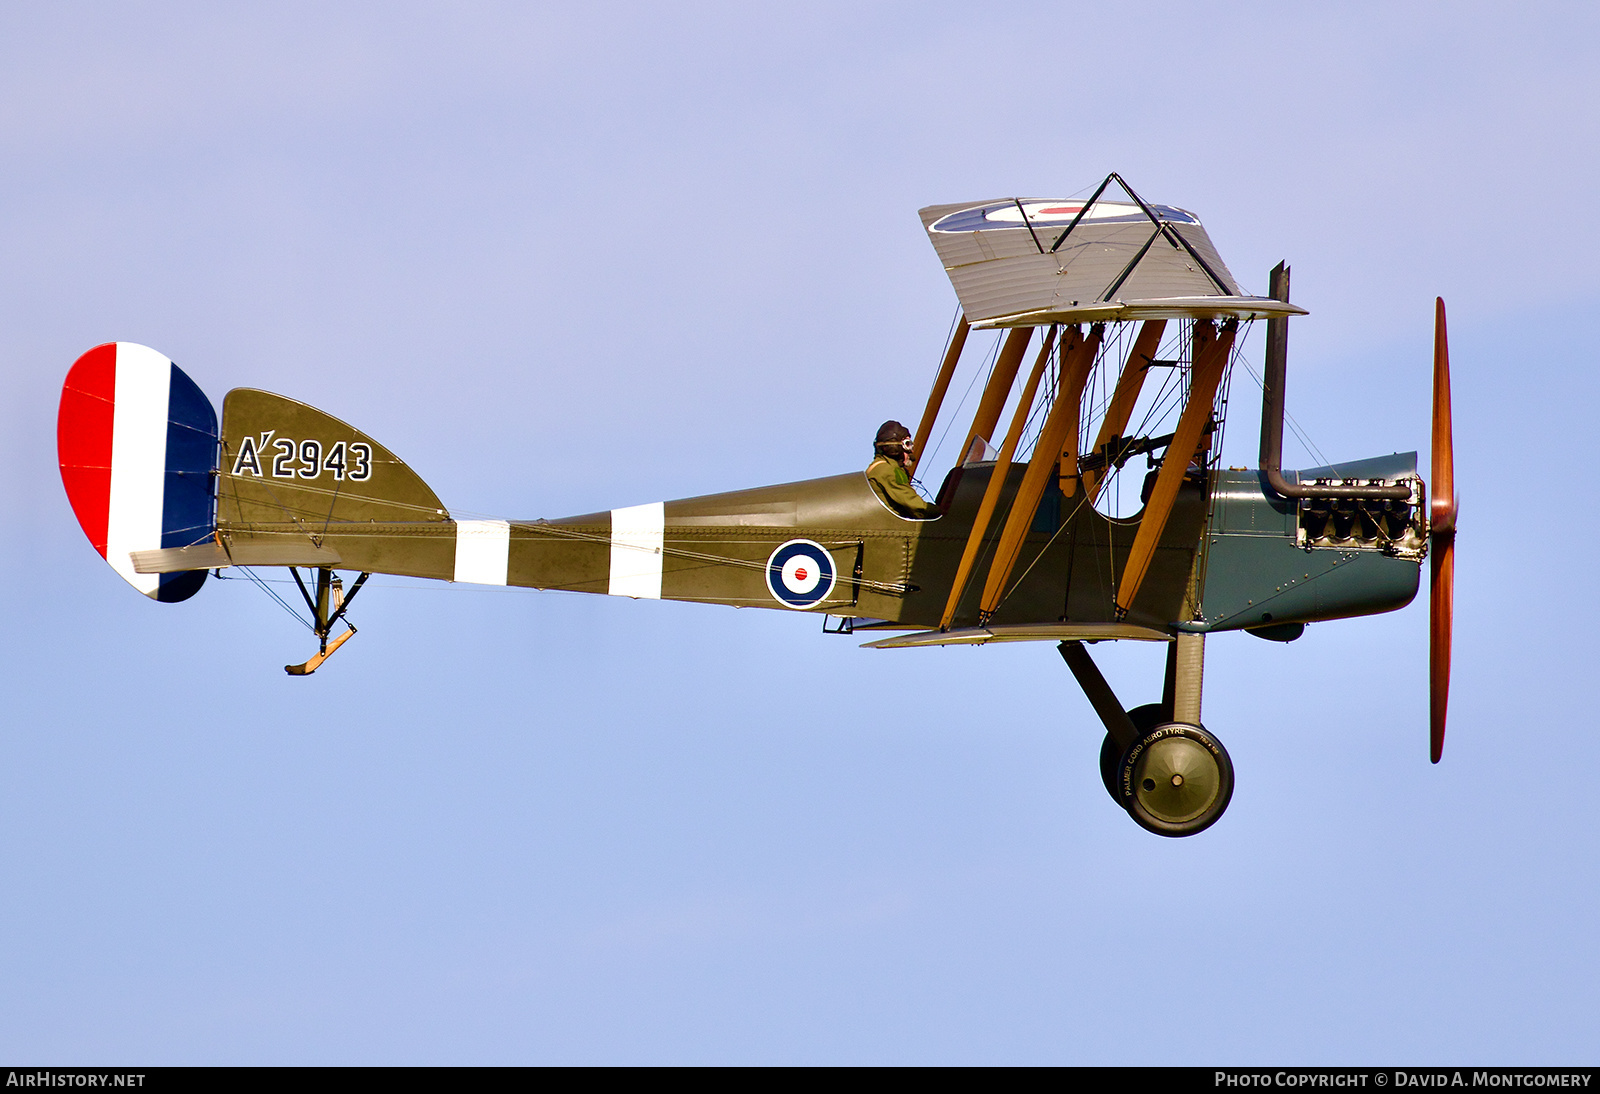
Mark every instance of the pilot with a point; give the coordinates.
(890, 473)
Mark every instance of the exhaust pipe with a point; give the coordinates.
(1272, 414)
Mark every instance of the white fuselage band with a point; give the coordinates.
(483, 551)
(637, 538)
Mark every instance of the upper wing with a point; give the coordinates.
(1027, 262)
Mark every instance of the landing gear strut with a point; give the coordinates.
(1158, 762)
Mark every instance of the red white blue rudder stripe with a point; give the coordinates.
(137, 440)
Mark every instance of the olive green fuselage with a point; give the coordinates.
(1228, 556)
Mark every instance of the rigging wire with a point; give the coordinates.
(1225, 392)
(982, 370)
(1110, 349)
(949, 335)
(1299, 432)
(261, 584)
(1169, 395)
(1065, 523)
(1167, 398)
(1034, 426)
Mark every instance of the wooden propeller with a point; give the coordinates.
(1442, 548)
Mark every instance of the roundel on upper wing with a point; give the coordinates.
(800, 574)
(1007, 214)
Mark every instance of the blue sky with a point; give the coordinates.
(566, 259)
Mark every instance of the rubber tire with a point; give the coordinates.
(1145, 719)
(1127, 769)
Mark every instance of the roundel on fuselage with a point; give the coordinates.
(800, 574)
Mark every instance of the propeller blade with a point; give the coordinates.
(1442, 587)
(1441, 616)
(1443, 516)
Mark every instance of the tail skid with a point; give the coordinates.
(315, 661)
(327, 608)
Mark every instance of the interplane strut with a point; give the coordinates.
(999, 386)
(998, 475)
(1059, 437)
(1211, 349)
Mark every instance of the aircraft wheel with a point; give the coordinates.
(1176, 780)
(1145, 719)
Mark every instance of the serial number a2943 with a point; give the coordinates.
(286, 458)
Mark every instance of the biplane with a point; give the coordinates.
(1129, 325)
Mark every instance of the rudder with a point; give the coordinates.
(136, 440)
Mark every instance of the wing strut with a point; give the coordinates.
(1210, 357)
(999, 386)
(999, 473)
(1058, 438)
(1129, 384)
(941, 384)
